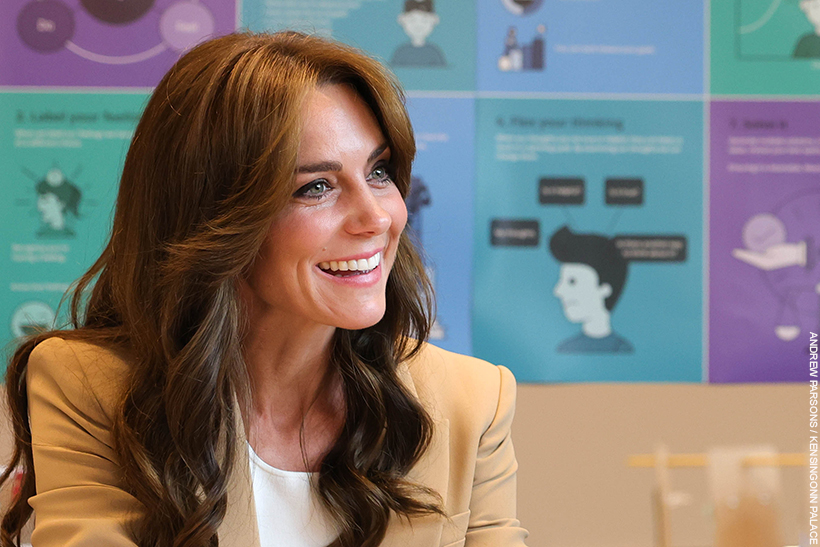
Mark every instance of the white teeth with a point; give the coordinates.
(360, 265)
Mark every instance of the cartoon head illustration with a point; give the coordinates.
(808, 46)
(812, 10)
(57, 197)
(418, 19)
(591, 280)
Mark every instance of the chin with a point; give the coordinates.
(363, 320)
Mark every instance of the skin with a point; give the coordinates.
(812, 10)
(344, 206)
(418, 25)
(582, 296)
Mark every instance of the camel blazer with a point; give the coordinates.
(80, 501)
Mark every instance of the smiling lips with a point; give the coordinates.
(347, 268)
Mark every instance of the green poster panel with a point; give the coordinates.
(62, 154)
(765, 47)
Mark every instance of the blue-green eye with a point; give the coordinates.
(380, 173)
(314, 189)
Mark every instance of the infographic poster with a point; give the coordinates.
(765, 47)
(103, 43)
(429, 44)
(765, 240)
(588, 239)
(440, 208)
(604, 46)
(62, 155)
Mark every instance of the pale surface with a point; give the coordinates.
(572, 441)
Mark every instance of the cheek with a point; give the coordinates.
(398, 213)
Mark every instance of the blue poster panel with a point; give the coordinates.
(605, 46)
(440, 208)
(588, 239)
(429, 44)
(62, 155)
(103, 43)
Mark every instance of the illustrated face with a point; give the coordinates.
(418, 24)
(580, 292)
(51, 210)
(812, 10)
(328, 254)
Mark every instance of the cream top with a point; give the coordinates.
(287, 511)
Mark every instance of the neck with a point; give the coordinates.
(418, 41)
(598, 326)
(287, 366)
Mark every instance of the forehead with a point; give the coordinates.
(336, 119)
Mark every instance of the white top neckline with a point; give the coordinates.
(255, 459)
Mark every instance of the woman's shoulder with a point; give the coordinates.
(84, 373)
(454, 384)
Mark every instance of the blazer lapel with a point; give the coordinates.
(432, 471)
(240, 528)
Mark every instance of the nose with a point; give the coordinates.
(366, 215)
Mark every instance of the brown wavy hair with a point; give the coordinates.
(210, 164)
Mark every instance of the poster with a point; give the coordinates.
(765, 47)
(588, 239)
(765, 240)
(101, 43)
(429, 44)
(62, 155)
(440, 208)
(604, 46)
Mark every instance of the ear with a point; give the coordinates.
(605, 289)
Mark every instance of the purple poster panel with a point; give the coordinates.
(103, 43)
(765, 240)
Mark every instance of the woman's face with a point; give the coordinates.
(328, 253)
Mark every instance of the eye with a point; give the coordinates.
(315, 190)
(571, 281)
(380, 174)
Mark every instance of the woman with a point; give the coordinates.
(249, 368)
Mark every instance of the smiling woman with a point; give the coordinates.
(248, 364)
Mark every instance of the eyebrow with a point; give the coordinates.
(324, 166)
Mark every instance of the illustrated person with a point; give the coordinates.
(56, 198)
(248, 366)
(418, 20)
(591, 280)
(809, 44)
(417, 199)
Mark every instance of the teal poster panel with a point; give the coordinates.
(62, 155)
(440, 210)
(429, 44)
(604, 46)
(588, 239)
(765, 47)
